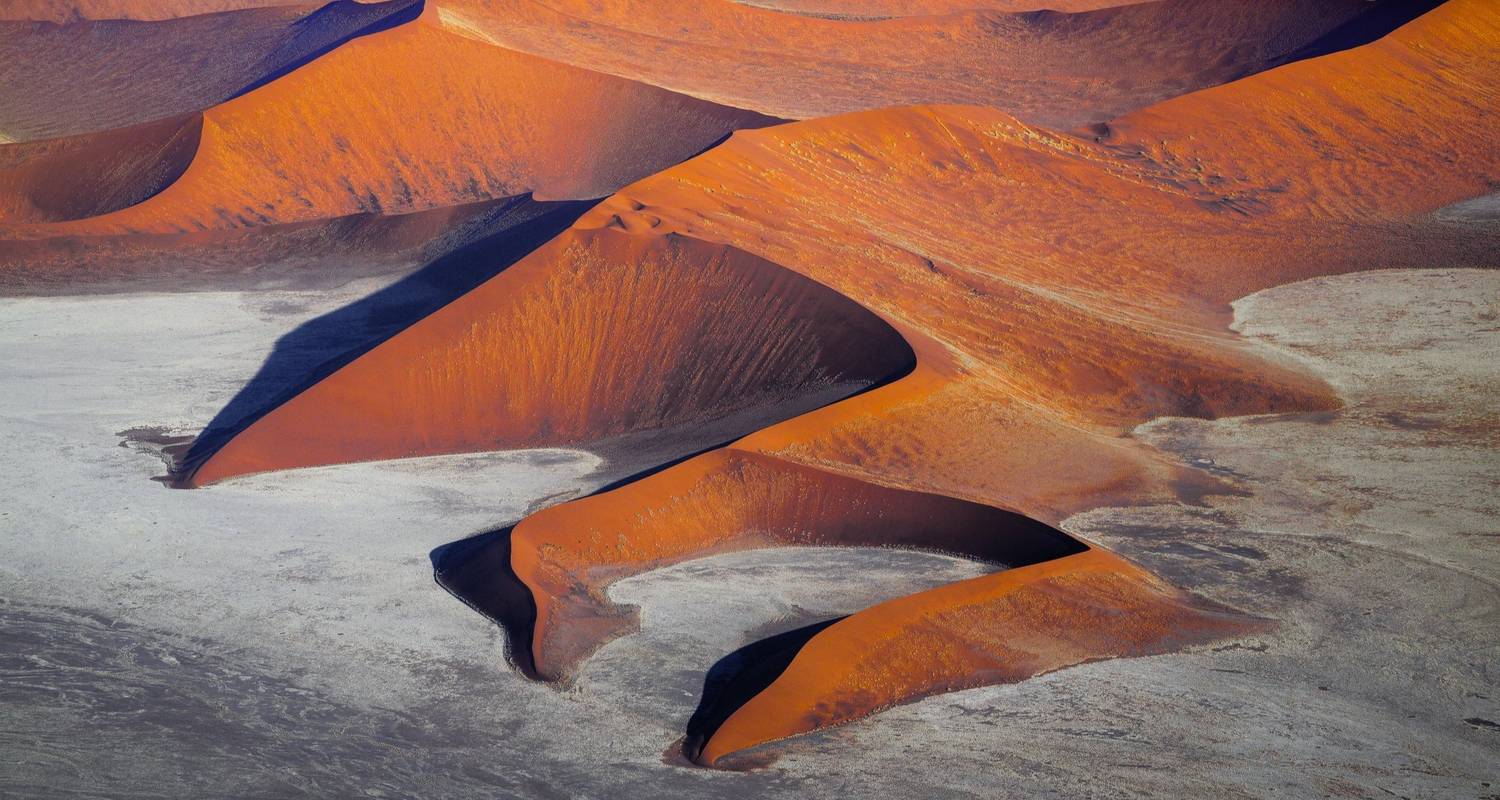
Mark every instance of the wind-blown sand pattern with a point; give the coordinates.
(905, 275)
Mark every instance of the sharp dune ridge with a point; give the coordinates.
(926, 314)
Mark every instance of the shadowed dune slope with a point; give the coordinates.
(60, 80)
(1049, 68)
(76, 10)
(414, 118)
(304, 255)
(84, 176)
(1056, 289)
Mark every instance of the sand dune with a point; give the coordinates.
(1050, 68)
(1056, 290)
(393, 123)
(85, 176)
(597, 335)
(412, 119)
(60, 80)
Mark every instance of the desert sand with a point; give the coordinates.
(790, 398)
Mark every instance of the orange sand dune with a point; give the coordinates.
(60, 80)
(1056, 290)
(74, 10)
(413, 118)
(597, 335)
(84, 176)
(1047, 68)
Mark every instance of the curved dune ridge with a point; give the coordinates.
(1055, 289)
(412, 119)
(1057, 69)
(86, 176)
(61, 80)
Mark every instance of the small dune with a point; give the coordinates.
(86, 176)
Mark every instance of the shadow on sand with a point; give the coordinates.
(317, 348)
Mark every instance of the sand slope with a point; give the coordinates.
(416, 118)
(1057, 69)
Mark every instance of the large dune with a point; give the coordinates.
(1059, 69)
(1056, 290)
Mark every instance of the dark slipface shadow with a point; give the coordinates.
(740, 676)
(477, 571)
(321, 346)
(1383, 17)
(363, 18)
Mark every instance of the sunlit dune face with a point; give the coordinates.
(383, 126)
(595, 336)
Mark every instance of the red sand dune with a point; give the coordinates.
(710, 333)
(414, 118)
(410, 119)
(305, 255)
(84, 176)
(1048, 68)
(60, 80)
(1057, 289)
